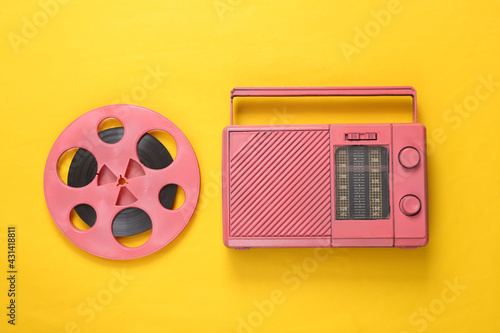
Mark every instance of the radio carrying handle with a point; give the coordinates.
(325, 91)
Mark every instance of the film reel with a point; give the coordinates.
(112, 205)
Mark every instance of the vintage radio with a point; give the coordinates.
(332, 185)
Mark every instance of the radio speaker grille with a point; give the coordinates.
(280, 184)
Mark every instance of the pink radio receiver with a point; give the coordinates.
(346, 185)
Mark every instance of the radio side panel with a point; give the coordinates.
(410, 185)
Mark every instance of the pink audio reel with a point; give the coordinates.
(121, 182)
(331, 185)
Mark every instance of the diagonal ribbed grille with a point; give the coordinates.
(280, 185)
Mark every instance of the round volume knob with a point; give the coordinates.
(409, 157)
(410, 205)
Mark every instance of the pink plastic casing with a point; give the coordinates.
(121, 158)
(278, 181)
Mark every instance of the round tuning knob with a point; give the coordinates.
(409, 157)
(410, 205)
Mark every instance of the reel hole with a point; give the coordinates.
(135, 240)
(156, 149)
(77, 167)
(172, 196)
(83, 217)
(110, 130)
(132, 227)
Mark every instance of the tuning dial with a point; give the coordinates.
(410, 205)
(409, 157)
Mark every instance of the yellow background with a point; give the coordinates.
(87, 54)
